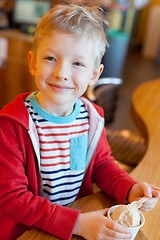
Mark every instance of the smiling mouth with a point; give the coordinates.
(61, 88)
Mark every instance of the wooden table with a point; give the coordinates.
(92, 202)
(146, 113)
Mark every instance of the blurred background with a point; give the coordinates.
(134, 54)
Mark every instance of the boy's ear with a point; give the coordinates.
(96, 74)
(32, 63)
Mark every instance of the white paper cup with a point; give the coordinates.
(133, 230)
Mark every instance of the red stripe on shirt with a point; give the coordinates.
(49, 142)
(58, 156)
(54, 164)
(53, 149)
(56, 127)
(62, 134)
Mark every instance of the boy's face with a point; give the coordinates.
(63, 68)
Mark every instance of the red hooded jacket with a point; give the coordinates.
(21, 203)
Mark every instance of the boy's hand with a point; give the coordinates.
(142, 189)
(96, 226)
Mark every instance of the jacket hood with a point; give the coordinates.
(17, 111)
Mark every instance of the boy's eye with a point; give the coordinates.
(50, 58)
(78, 64)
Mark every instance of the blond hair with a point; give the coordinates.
(83, 21)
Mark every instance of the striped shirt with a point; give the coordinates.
(63, 149)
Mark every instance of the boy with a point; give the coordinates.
(53, 142)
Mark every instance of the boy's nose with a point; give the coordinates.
(61, 71)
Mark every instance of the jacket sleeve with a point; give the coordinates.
(107, 174)
(19, 199)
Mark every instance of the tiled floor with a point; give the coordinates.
(137, 70)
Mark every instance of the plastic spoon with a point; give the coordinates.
(138, 203)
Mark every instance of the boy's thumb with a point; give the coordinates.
(104, 211)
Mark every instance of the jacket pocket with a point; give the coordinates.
(78, 152)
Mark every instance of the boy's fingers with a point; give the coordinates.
(155, 191)
(147, 189)
(111, 234)
(149, 204)
(143, 190)
(115, 226)
(156, 194)
(154, 187)
(104, 211)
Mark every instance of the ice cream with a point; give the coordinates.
(126, 215)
